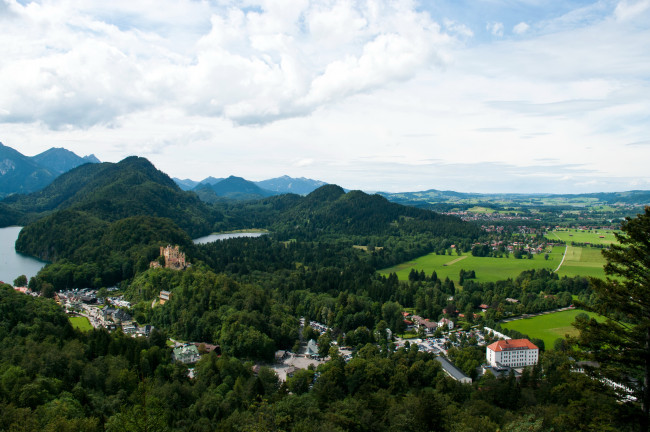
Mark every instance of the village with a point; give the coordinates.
(503, 355)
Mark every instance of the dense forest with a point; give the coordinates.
(57, 378)
(247, 295)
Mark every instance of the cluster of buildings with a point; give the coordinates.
(174, 258)
(416, 322)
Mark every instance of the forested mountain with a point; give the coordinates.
(286, 184)
(330, 211)
(185, 184)
(23, 174)
(59, 160)
(189, 184)
(278, 185)
(112, 191)
(236, 188)
(103, 223)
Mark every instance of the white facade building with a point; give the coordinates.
(512, 353)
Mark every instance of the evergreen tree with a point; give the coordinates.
(621, 344)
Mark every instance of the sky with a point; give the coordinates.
(528, 96)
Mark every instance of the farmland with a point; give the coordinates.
(548, 327)
(579, 261)
(487, 269)
(595, 237)
(583, 261)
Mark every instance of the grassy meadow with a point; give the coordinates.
(583, 261)
(487, 269)
(80, 323)
(600, 237)
(548, 327)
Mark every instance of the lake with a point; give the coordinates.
(13, 264)
(215, 237)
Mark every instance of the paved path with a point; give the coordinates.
(456, 260)
(566, 248)
(536, 314)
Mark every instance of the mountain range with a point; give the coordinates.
(211, 189)
(24, 174)
(20, 174)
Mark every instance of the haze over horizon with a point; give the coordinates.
(483, 96)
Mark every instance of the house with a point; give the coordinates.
(312, 348)
(446, 323)
(429, 326)
(451, 370)
(186, 354)
(164, 297)
(512, 353)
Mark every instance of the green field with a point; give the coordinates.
(580, 261)
(487, 269)
(80, 323)
(548, 327)
(600, 237)
(583, 261)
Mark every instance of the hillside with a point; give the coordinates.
(102, 223)
(20, 174)
(330, 211)
(286, 184)
(60, 160)
(112, 191)
(232, 188)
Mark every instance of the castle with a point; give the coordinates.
(174, 258)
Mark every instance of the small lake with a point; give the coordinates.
(13, 264)
(215, 237)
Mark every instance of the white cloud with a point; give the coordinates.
(626, 9)
(252, 65)
(520, 28)
(495, 28)
(457, 28)
(363, 93)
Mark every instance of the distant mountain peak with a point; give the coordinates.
(91, 158)
(286, 184)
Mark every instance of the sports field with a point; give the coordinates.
(487, 269)
(600, 237)
(548, 327)
(81, 323)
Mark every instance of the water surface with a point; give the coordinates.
(215, 237)
(13, 264)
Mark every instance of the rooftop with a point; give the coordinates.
(511, 344)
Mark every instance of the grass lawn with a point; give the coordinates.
(604, 237)
(487, 269)
(548, 327)
(80, 323)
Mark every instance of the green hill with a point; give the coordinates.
(113, 191)
(102, 223)
(330, 210)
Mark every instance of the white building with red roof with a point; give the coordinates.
(512, 353)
